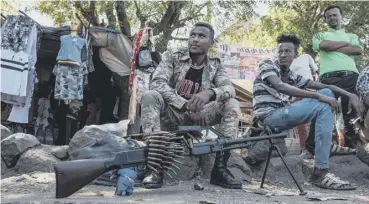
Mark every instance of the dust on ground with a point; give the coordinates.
(39, 188)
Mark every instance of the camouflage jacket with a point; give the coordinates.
(172, 70)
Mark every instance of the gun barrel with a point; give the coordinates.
(223, 144)
(253, 139)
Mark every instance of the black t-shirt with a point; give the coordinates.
(191, 84)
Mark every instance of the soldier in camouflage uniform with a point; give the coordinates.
(189, 87)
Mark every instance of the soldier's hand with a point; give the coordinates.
(197, 118)
(198, 100)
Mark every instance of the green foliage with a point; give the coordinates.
(304, 18)
(61, 11)
(164, 16)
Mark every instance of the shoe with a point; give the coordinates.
(153, 181)
(306, 155)
(220, 175)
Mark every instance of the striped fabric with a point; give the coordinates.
(265, 98)
(14, 72)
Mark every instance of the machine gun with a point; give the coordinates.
(160, 154)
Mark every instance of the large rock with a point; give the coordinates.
(39, 159)
(96, 135)
(258, 153)
(278, 173)
(187, 171)
(4, 168)
(102, 141)
(205, 165)
(236, 161)
(15, 145)
(5, 132)
(362, 152)
(60, 152)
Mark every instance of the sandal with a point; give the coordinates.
(332, 182)
(338, 150)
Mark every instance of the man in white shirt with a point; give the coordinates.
(305, 66)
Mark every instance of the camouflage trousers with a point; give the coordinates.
(155, 112)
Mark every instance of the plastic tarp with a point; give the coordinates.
(115, 49)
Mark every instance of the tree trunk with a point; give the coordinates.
(109, 12)
(88, 14)
(170, 17)
(124, 25)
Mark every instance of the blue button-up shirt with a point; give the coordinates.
(70, 48)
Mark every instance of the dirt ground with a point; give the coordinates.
(39, 188)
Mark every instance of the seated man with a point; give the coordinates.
(273, 88)
(188, 84)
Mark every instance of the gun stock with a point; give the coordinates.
(71, 176)
(74, 175)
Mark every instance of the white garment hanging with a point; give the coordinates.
(20, 114)
(14, 72)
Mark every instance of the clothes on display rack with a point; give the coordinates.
(71, 47)
(15, 32)
(19, 55)
(42, 124)
(69, 81)
(14, 72)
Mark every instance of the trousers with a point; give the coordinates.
(302, 131)
(305, 111)
(155, 111)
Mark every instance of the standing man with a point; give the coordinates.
(273, 88)
(304, 65)
(188, 85)
(337, 50)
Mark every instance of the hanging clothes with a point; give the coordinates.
(14, 72)
(69, 81)
(42, 123)
(20, 114)
(115, 49)
(15, 34)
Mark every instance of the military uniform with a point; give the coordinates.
(162, 101)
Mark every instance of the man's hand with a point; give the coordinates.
(357, 105)
(198, 118)
(329, 100)
(198, 100)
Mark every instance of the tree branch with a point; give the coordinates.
(170, 16)
(89, 15)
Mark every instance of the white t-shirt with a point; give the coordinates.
(14, 72)
(303, 65)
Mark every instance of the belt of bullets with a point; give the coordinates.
(163, 152)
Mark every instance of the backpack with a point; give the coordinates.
(147, 58)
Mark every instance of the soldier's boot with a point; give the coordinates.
(220, 175)
(153, 181)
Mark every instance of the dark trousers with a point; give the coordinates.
(347, 83)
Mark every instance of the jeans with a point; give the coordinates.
(305, 111)
(302, 131)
